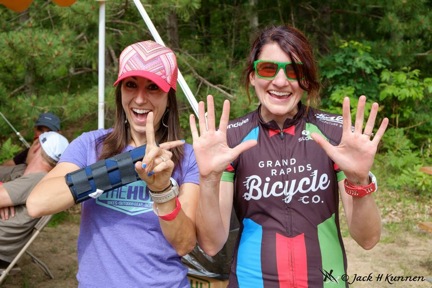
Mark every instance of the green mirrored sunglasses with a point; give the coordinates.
(268, 69)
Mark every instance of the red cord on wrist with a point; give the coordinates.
(171, 216)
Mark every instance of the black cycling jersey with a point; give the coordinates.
(286, 199)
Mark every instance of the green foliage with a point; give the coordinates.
(8, 150)
(399, 165)
(58, 218)
(351, 70)
(405, 30)
(50, 61)
(414, 180)
(402, 85)
(183, 8)
(403, 96)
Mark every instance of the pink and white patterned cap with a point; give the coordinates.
(150, 60)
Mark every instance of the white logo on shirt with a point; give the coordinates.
(257, 188)
(306, 136)
(238, 124)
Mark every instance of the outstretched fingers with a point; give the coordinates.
(150, 134)
(243, 147)
(193, 127)
(380, 132)
(151, 152)
(370, 124)
(368, 130)
(358, 125)
(207, 120)
(171, 144)
(223, 124)
(154, 155)
(209, 117)
(346, 114)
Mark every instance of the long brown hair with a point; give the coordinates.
(294, 43)
(169, 129)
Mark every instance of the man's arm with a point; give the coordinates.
(15, 192)
(7, 212)
(9, 162)
(6, 206)
(5, 199)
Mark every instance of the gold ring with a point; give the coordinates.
(370, 135)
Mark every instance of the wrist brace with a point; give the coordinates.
(104, 175)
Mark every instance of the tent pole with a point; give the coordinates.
(101, 64)
(158, 39)
(16, 132)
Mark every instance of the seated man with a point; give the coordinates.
(46, 122)
(9, 173)
(15, 223)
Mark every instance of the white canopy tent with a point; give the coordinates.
(101, 76)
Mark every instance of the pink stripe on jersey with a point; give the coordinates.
(291, 261)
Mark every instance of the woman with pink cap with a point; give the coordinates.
(133, 235)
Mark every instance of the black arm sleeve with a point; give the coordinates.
(105, 174)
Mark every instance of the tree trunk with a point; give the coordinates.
(173, 38)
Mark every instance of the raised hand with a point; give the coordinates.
(356, 152)
(212, 152)
(156, 167)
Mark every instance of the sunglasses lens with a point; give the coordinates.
(290, 73)
(266, 69)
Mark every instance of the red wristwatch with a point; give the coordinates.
(361, 191)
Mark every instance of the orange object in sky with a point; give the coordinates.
(22, 5)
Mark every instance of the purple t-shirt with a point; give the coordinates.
(120, 242)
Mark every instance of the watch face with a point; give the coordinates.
(174, 182)
(175, 187)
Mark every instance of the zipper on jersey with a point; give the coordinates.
(281, 134)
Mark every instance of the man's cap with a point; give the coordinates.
(48, 120)
(150, 60)
(54, 144)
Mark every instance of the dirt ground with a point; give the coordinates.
(409, 255)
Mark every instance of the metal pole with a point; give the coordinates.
(184, 86)
(16, 132)
(101, 66)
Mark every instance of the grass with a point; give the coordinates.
(401, 211)
(58, 219)
(70, 215)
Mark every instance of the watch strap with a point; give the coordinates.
(166, 195)
(361, 190)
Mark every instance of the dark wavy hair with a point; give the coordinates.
(114, 142)
(295, 44)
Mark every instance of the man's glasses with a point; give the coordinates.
(269, 69)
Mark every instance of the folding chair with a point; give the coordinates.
(43, 221)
